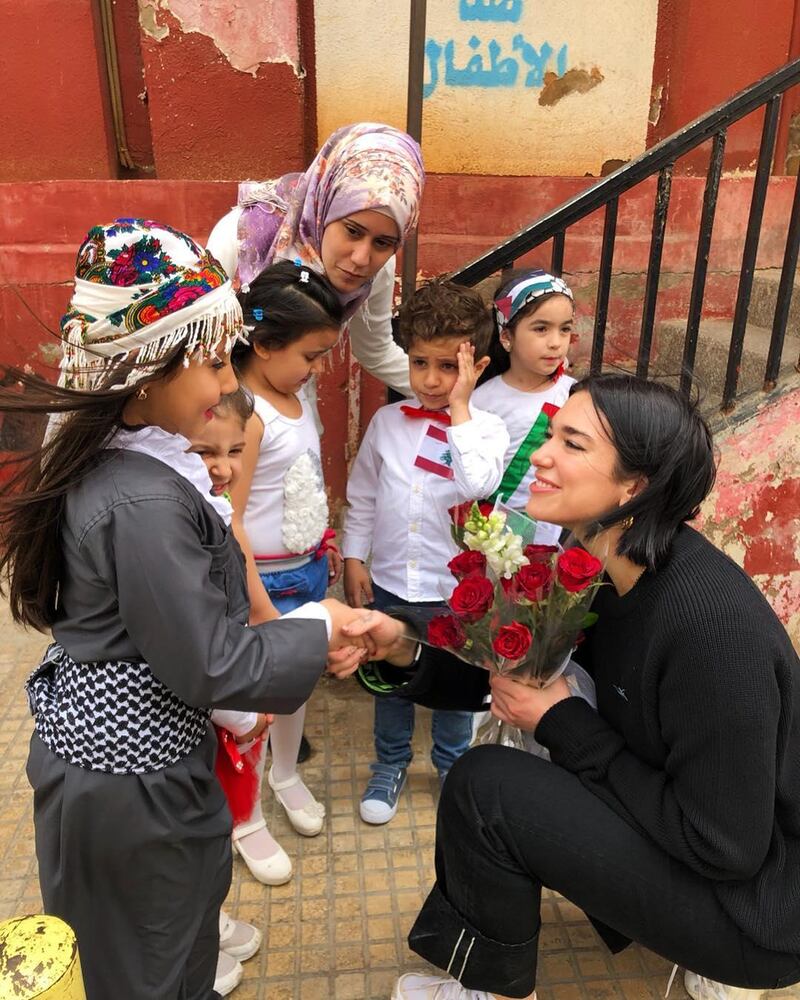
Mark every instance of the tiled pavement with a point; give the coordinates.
(338, 929)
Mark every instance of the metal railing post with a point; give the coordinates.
(416, 77)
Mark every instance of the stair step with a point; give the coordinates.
(711, 359)
(764, 298)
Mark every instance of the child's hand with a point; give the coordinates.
(357, 584)
(345, 661)
(468, 372)
(335, 565)
(257, 730)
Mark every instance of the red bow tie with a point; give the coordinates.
(420, 413)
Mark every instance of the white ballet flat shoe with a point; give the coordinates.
(307, 821)
(274, 870)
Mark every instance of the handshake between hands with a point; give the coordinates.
(358, 635)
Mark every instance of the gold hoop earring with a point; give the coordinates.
(142, 393)
(626, 522)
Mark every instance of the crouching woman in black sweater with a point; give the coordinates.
(671, 814)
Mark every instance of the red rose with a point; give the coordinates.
(459, 514)
(512, 641)
(539, 553)
(446, 630)
(472, 598)
(576, 569)
(533, 581)
(467, 564)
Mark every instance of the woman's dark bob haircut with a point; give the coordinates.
(283, 304)
(660, 438)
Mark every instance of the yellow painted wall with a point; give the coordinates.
(553, 88)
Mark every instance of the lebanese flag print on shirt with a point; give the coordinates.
(434, 453)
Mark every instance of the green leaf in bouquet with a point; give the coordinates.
(589, 619)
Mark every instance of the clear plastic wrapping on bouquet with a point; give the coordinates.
(494, 731)
(518, 609)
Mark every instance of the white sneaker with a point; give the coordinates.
(707, 989)
(229, 974)
(238, 939)
(417, 986)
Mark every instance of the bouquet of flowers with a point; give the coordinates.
(516, 609)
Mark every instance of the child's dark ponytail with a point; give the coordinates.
(283, 304)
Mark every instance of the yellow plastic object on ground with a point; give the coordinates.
(39, 960)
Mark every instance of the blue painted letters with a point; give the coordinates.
(490, 10)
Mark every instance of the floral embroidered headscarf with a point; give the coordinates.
(365, 166)
(141, 290)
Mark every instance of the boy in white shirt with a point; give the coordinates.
(414, 463)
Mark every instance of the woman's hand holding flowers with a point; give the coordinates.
(523, 705)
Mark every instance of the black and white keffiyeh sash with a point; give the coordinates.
(111, 715)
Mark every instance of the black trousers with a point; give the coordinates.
(510, 823)
(138, 866)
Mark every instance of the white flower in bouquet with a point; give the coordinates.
(502, 548)
(305, 505)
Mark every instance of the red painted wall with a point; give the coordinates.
(53, 116)
(190, 114)
(706, 52)
(133, 87)
(211, 121)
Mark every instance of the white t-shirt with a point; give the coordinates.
(519, 411)
(287, 510)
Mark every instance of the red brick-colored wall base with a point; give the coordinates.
(42, 223)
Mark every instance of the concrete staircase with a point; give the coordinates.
(714, 341)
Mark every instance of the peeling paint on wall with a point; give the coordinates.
(574, 81)
(248, 33)
(656, 97)
(148, 19)
(753, 514)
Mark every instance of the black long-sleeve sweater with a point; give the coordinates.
(696, 737)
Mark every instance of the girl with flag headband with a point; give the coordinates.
(534, 313)
(113, 541)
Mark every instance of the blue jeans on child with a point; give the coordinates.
(289, 588)
(451, 732)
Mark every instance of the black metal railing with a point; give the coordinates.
(660, 159)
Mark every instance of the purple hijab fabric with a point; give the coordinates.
(365, 166)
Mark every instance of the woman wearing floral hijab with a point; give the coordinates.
(345, 217)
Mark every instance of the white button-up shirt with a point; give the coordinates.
(398, 512)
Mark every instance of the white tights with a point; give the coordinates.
(285, 734)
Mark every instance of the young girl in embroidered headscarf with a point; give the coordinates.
(534, 312)
(345, 217)
(112, 538)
